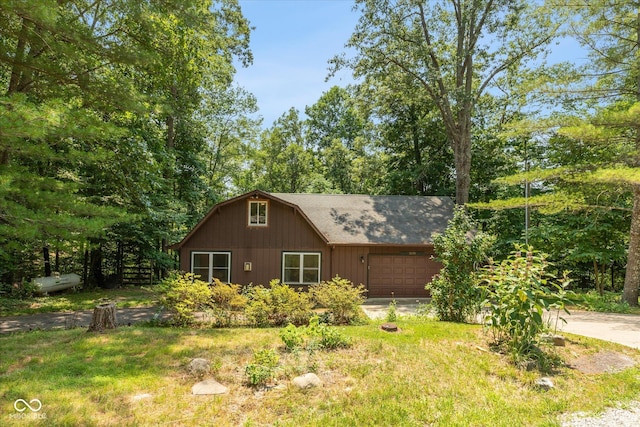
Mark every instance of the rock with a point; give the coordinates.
(199, 367)
(209, 387)
(140, 397)
(389, 327)
(545, 383)
(559, 341)
(307, 381)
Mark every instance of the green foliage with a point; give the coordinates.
(277, 305)
(292, 337)
(183, 295)
(455, 295)
(608, 302)
(18, 291)
(391, 315)
(314, 336)
(262, 369)
(341, 298)
(227, 302)
(518, 292)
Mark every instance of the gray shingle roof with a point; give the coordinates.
(364, 219)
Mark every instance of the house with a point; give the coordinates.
(383, 242)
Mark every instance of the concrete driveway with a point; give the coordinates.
(619, 328)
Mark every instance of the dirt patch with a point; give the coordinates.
(604, 361)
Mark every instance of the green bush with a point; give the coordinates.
(262, 369)
(278, 305)
(455, 295)
(24, 290)
(292, 337)
(518, 291)
(227, 302)
(341, 298)
(392, 314)
(315, 336)
(183, 295)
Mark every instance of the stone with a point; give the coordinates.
(559, 341)
(199, 367)
(138, 397)
(545, 383)
(209, 387)
(307, 381)
(389, 327)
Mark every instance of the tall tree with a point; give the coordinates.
(454, 50)
(611, 33)
(98, 115)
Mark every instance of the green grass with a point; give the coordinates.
(133, 296)
(610, 302)
(431, 373)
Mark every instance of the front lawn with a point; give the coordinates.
(133, 296)
(430, 373)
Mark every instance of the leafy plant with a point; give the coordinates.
(392, 314)
(262, 368)
(518, 292)
(608, 302)
(183, 295)
(341, 298)
(292, 337)
(278, 305)
(227, 302)
(315, 336)
(455, 295)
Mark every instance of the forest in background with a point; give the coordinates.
(121, 125)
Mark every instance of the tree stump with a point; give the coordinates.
(104, 317)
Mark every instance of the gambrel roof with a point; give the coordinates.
(358, 219)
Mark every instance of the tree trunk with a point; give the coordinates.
(104, 317)
(47, 262)
(632, 275)
(462, 159)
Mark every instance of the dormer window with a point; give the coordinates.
(258, 213)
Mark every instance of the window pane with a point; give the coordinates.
(202, 272)
(200, 260)
(291, 261)
(291, 276)
(311, 276)
(220, 260)
(312, 261)
(221, 274)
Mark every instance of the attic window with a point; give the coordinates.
(258, 213)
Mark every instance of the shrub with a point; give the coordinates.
(227, 302)
(341, 298)
(23, 290)
(518, 291)
(183, 295)
(392, 314)
(262, 368)
(292, 337)
(278, 305)
(315, 336)
(455, 295)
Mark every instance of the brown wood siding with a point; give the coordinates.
(228, 230)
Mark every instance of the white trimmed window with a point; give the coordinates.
(300, 268)
(210, 265)
(258, 213)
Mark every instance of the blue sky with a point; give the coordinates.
(292, 43)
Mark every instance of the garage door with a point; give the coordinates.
(400, 276)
